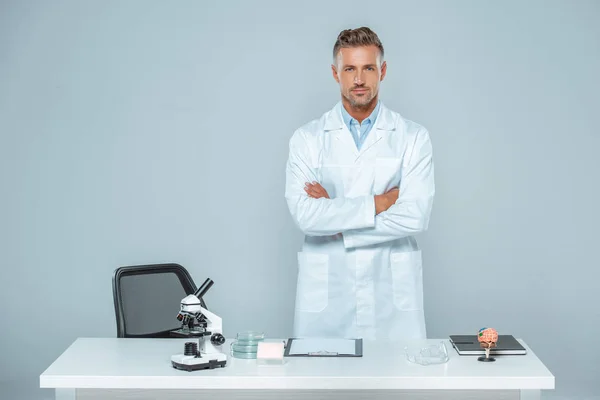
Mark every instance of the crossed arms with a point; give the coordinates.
(364, 220)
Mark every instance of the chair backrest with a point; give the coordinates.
(147, 299)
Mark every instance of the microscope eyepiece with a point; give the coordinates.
(204, 288)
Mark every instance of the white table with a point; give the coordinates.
(105, 368)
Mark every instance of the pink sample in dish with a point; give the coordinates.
(270, 353)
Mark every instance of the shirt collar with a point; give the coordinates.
(348, 119)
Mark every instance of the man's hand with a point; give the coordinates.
(315, 190)
(386, 200)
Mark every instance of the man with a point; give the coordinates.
(360, 185)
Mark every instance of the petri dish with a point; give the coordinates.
(243, 347)
(238, 354)
(250, 337)
(429, 355)
(245, 344)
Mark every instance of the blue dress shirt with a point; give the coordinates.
(360, 131)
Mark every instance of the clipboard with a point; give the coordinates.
(356, 351)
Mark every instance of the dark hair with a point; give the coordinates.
(355, 38)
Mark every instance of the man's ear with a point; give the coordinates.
(335, 74)
(383, 70)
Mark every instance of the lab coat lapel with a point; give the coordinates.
(383, 125)
(341, 134)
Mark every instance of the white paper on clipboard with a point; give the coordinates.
(322, 345)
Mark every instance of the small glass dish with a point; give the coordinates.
(243, 347)
(243, 355)
(245, 344)
(429, 355)
(250, 337)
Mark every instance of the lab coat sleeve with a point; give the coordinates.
(320, 217)
(410, 214)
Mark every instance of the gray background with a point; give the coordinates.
(143, 131)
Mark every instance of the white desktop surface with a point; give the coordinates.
(112, 363)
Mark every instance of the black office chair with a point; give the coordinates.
(147, 299)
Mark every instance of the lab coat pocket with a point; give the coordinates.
(313, 282)
(407, 280)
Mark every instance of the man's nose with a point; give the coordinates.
(357, 79)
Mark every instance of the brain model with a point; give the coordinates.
(487, 337)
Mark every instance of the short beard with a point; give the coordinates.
(359, 106)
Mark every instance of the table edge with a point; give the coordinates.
(298, 383)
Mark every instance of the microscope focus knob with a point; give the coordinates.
(217, 339)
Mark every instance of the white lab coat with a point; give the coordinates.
(360, 274)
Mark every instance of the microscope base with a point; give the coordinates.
(195, 363)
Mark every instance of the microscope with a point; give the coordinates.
(198, 322)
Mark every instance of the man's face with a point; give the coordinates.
(359, 72)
